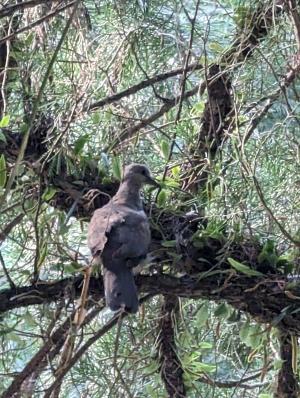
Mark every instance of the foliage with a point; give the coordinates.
(239, 185)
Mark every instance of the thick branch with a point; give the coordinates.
(268, 299)
(295, 17)
(287, 386)
(242, 383)
(9, 10)
(143, 84)
(170, 366)
(46, 293)
(218, 114)
(8, 227)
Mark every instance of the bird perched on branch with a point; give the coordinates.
(119, 235)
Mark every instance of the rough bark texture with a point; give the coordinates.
(170, 366)
(214, 123)
(268, 299)
(287, 383)
(7, 62)
(218, 113)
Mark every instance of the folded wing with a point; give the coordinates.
(120, 236)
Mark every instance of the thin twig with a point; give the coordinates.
(111, 323)
(140, 86)
(35, 108)
(6, 273)
(37, 22)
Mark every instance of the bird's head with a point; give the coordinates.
(139, 174)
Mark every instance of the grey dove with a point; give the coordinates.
(119, 235)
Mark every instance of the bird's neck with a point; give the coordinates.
(129, 195)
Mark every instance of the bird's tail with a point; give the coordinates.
(120, 290)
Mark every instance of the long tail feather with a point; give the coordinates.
(120, 290)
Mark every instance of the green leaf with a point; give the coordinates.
(235, 316)
(251, 335)
(29, 319)
(202, 315)
(191, 363)
(255, 336)
(151, 392)
(24, 128)
(165, 148)
(175, 256)
(43, 255)
(96, 117)
(198, 108)
(176, 172)
(216, 47)
(151, 368)
(205, 345)
(170, 182)
(204, 59)
(3, 173)
(70, 269)
(204, 367)
(49, 193)
(161, 198)
(277, 363)
(4, 122)
(14, 337)
(117, 168)
(29, 39)
(2, 137)
(268, 254)
(168, 243)
(222, 311)
(244, 269)
(244, 331)
(80, 143)
(265, 395)
(77, 266)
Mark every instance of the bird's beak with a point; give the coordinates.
(151, 181)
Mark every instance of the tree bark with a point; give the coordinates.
(170, 367)
(287, 383)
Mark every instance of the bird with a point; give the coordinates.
(119, 238)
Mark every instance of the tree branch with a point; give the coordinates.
(82, 350)
(6, 11)
(37, 22)
(170, 367)
(218, 112)
(47, 352)
(129, 132)
(287, 386)
(268, 299)
(140, 86)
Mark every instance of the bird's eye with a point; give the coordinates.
(144, 172)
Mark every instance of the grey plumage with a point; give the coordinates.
(119, 234)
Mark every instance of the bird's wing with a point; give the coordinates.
(121, 236)
(122, 231)
(100, 226)
(132, 236)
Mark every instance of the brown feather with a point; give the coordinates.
(119, 234)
